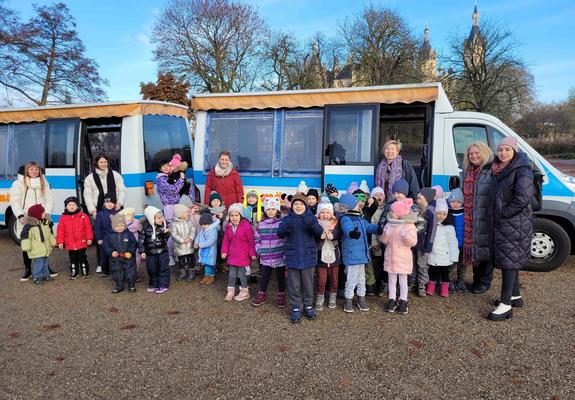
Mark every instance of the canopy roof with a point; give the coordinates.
(94, 110)
(406, 94)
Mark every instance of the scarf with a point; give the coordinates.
(110, 185)
(471, 175)
(387, 174)
(499, 166)
(222, 172)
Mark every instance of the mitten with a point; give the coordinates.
(379, 230)
(355, 234)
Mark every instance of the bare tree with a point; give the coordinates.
(381, 47)
(43, 60)
(282, 60)
(212, 43)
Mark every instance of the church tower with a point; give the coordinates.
(474, 45)
(427, 59)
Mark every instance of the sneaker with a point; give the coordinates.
(309, 312)
(501, 313)
(421, 290)
(319, 302)
(116, 291)
(332, 300)
(391, 305)
(403, 308)
(99, 269)
(36, 281)
(479, 289)
(151, 289)
(295, 315)
(26, 276)
(132, 289)
(181, 275)
(370, 290)
(348, 305)
(259, 299)
(161, 290)
(281, 300)
(460, 286)
(53, 274)
(362, 304)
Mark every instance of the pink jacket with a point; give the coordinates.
(399, 239)
(239, 245)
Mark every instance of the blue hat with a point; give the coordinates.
(400, 186)
(348, 200)
(456, 195)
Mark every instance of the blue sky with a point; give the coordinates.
(116, 32)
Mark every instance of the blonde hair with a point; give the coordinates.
(484, 150)
(34, 164)
(397, 144)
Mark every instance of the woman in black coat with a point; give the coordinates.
(512, 191)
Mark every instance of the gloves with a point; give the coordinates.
(355, 234)
(379, 229)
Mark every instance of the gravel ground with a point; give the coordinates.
(74, 340)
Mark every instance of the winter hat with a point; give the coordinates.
(428, 193)
(36, 211)
(206, 218)
(438, 191)
(236, 207)
(353, 186)
(377, 190)
(176, 160)
(302, 187)
(314, 193)
(215, 196)
(325, 206)
(441, 205)
(348, 200)
(400, 186)
(117, 220)
(271, 203)
(363, 186)
(131, 211)
(402, 207)
(110, 197)
(254, 193)
(330, 189)
(509, 141)
(299, 197)
(456, 195)
(150, 212)
(71, 199)
(360, 195)
(180, 210)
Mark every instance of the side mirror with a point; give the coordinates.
(454, 182)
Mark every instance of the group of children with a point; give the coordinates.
(318, 246)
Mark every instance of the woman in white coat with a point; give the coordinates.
(30, 188)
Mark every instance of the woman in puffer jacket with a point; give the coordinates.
(512, 227)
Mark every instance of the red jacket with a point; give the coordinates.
(229, 187)
(239, 245)
(74, 230)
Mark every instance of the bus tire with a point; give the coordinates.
(12, 229)
(550, 246)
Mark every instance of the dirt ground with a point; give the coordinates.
(75, 340)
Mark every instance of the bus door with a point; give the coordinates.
(350, 140)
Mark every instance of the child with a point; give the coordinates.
(329, 256)
(332, 193)
(444, 253)
(177, 171)
(153, 247)
(183, 235)
(217, 208)
(75, 234)
(456, 215)
(207, 242)
(121, 246)
(312, 200)
(300, 229)
(270, 249)
(399, 236)
(238, 248)
(399, 190)
(103, 227)
(376, 206)
(38, 242)
(426, 232)
(253, 212)
(134, 226)
(355, 251)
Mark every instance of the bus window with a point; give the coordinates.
(464, 135)
(29, 141)
(301, 142)
(164, 136)
(61, 139)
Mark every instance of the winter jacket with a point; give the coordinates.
(445, 250)
(426, 231)
(375, 218)
(146, 242)
(167, 192)
(335, 241)
(512, 190)
(182, 229)
(399, 236)
(91, 192)
(407, 173)
(23, 197)
(74, 230)
(239, 244)
(300, 233)
(458, 221)
(355, 251)
(37, 238)
(103, 223)
(123, 242)
(269, 246)
(229, 187)
(207, 240)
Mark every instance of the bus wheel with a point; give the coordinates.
(550, 246)
(12, 229)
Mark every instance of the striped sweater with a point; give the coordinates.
(269, 246)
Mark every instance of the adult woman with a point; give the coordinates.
(392, 167)
(476, 200)
(512, 227)
(29, 189)
(225, 180)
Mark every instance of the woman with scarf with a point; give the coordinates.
(476, 201)
(392, 168)
(225, 180)
(29, 189)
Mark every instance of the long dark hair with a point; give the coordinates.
(99, 157)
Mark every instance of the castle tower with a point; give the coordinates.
(427, 58)
(474, 45)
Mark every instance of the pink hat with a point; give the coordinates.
(353, 186)
(509, 141)
(402, 207)
(438, 191)
(176, 160)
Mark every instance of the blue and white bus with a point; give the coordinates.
(63, 139)
(334, 136)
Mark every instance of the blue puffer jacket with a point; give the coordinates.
(103, 223)
(457, 220)
(355, 251)
(207, 241)
(300, 233)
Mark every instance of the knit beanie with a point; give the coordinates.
(302, 188)
(272, 203)
(150, 213)
(180, 210)
(456, 195)
(348, 200)
(110, 197)
(400, 186)
(353, 186)
(428, 193)
(206, 218)
(330, 189)
(71, 199)
(441, 205)
(377, 190)
(117, 220)
(299, 197)
(363, 186)
(314, 193)
(176, 160)
(324, 206)
(36, 211)
(402, 207)
(253, 193)
(236, 207)
(128, 211)
(509, 141)
(438, 191)
(214, 195)
(360, 195)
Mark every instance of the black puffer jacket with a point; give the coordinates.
(147, 244)
(512, 190)
(482, 222)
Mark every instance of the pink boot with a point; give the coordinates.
(430, 288)
(444, 289)
(230, 294)
(243, 295)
